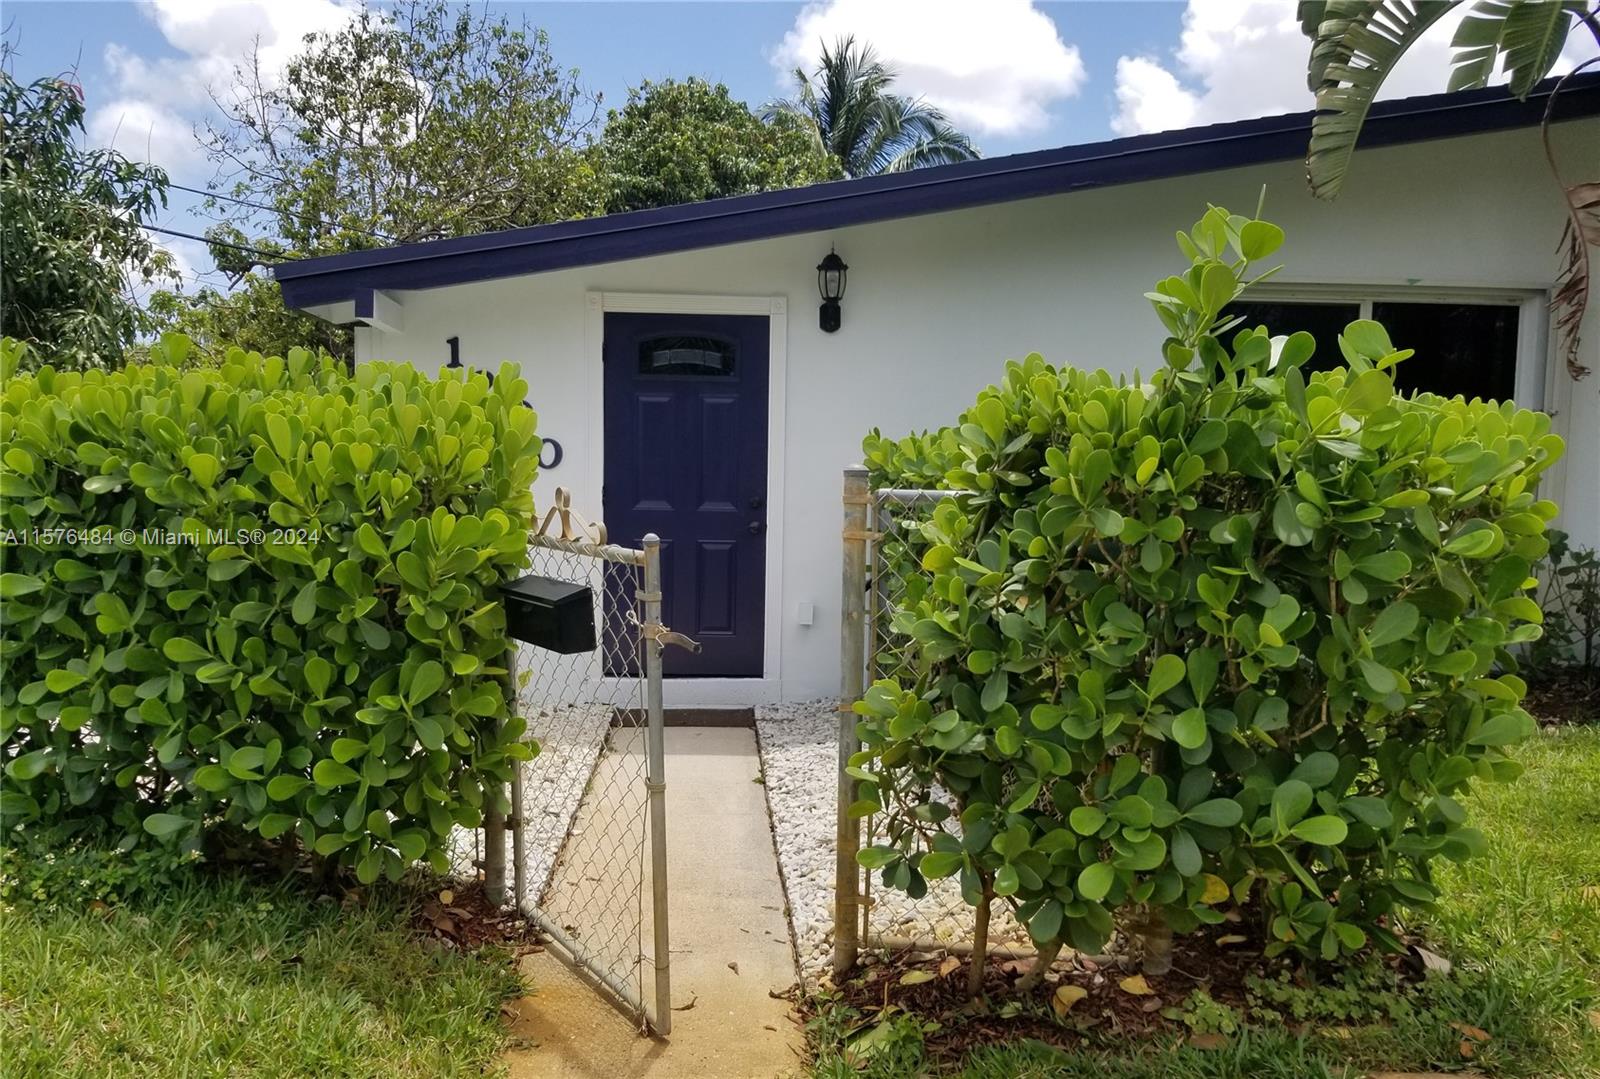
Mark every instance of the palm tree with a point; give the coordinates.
(847, 105)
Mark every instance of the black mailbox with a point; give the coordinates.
(555, 615)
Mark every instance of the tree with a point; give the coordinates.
(411, 123)
(72, 245)
(847, 106)
(251, 317)
(1355, 44)
(676, 142)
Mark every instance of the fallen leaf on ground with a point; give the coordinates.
(916, 977)
(1468, 1050)
(1594, 1019)
(1135, 985)
(686, 1007)
(1432, 962)
(1232, 938)
(1065, 997)
(1467, 1030)
(950, 965)
(447, 897)
(734, 967)
(1207, 1041)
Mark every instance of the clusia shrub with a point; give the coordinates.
(263, 593)
(1226, 635)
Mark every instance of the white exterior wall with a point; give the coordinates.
(936, 304)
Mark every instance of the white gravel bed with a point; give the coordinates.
(799, 764)
(570, 738)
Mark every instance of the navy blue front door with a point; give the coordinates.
(686, 458)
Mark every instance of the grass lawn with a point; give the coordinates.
(1522, 926)
(231, 978)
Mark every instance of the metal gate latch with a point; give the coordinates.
(663, 636)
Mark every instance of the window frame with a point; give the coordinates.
(1532, 389)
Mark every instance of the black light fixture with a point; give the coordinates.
(830, 282)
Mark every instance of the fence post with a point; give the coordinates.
(852, 676)
(494, 823)
(656, 784)
(519, 827)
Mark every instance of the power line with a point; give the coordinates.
(278, 210)
(278, 257)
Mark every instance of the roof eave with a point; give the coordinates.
(337, 278)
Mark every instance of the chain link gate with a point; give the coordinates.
(882, 557)
(587, 826)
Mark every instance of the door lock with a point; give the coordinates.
(755, 528)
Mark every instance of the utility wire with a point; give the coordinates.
(278, 210)
(219, 243)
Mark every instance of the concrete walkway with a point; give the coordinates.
(730, 943)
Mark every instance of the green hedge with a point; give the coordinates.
(262, 593)
(1226, 635)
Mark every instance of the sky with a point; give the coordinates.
(1016, 75)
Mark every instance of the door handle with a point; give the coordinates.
(755, 528)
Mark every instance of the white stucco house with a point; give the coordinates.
(686, 387)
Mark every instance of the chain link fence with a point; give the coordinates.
(586, 833)
(883, 565)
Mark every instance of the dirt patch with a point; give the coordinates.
(460, 916)
(1569, 698)
(1081, 1001)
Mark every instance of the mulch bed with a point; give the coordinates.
(1219, 960)
(460, 916)
(1566, 698)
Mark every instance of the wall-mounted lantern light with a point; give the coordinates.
(830, 282)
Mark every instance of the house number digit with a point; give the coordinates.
(550, 447)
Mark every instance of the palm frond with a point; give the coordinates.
(1532, 37)
(848, 103)
(1357, 45)
(1477, 44)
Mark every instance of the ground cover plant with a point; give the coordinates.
(1224, 638)
(206, 974)
(261, 594)
(1520, 926)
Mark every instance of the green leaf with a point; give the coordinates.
(282, 788)
(1094, 883)
(425, 682)
(1373, 812)
(167, 825)
(1165, 673)
(1086, 820)
(13, 585)
(330, 773)
(1186, 857)
(1327, 831)
(1006, 880)
(1316, 770)
(1289, 803)
(1286, 524)
(1396, 622)
(183, 650)
(1379, 677)
(1189, 729)
(937, 865)
(1217, 812)
(1503, 730)
(1259, 239)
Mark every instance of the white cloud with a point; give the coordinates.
(993, 67)
(158, 101)
(1244, 58)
